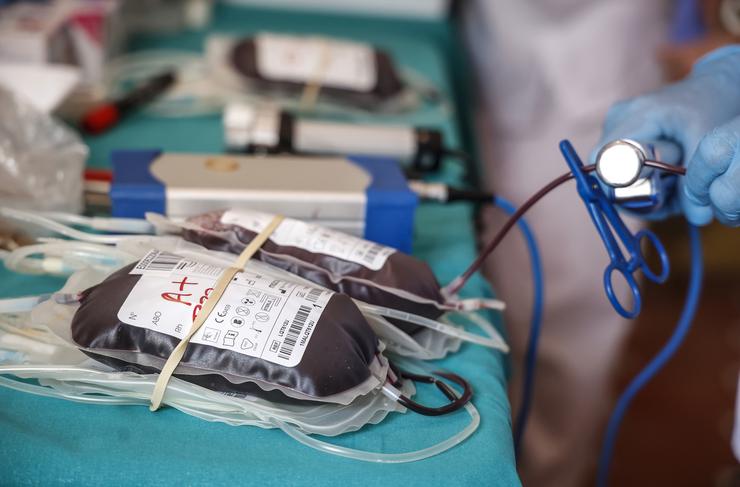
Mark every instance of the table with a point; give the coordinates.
(47, 441)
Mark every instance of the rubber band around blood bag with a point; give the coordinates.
(312, 89)
(218, 289)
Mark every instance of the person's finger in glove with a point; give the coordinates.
(682, 112)
(712, 181)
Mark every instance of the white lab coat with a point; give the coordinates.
(548, 70)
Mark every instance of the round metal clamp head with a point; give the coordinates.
(619, 163)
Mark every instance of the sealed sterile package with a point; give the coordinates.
(41, 160)
(266, 334)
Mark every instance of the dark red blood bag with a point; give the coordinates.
(267, 336)
(349, 71)
(364, 270)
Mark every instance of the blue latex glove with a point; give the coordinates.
(713, 176)
(700, 114)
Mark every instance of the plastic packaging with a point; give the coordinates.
(205, 85)
(432, 336)
(53, 367)
(394, 285)
(63, 371)
(41, 160)
(232, 61)
(89, 313)
(361, 269)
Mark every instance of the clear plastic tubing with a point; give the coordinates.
(491, 342)
(376, 457)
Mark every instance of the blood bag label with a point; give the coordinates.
(164, 263)
(258, 315)
(339, 64)
(313, 238)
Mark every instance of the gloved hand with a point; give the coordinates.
(713, 177)
(699, 114)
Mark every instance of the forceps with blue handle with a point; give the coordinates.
(607, 222)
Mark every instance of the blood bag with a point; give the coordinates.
(266, 334)
(350, 71)
(395, 292)
(85, 314)
(53, 367)
(364, 270)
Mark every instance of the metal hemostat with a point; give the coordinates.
(620, 165)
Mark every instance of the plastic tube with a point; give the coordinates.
(94, 380)
(21, 305)
(49, 224)
(481, 323)
(86, 253)
(659, 361)
(49, 392)
(121, 225)
(457, 283)
(377, 457)
(77, 383)
(490, 342)
(403, 342)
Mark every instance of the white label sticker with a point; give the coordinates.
(258, 315)
(338, 64)
(313, 238)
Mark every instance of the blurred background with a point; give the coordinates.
(689, 407)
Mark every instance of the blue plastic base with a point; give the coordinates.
(389, 212)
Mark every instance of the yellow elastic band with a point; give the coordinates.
(312, 89)
(218, 289)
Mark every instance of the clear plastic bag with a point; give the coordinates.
(33, 352)
(41, 159)
(50, 365)
(435, 338)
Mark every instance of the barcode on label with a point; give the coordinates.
(296, 327)
(313, 295)
(372, 253)
(161, 261)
